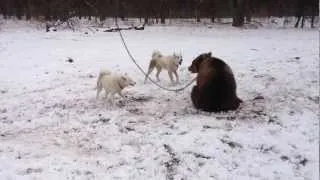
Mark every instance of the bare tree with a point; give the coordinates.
(238, 12)
(303, 9)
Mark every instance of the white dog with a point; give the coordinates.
(112, 83)
(170, 63)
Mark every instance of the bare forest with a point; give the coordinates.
(240, 10)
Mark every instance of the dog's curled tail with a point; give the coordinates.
(156, 54)
(103, 72)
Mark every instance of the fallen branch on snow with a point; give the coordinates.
(138, 28)
(232, 144)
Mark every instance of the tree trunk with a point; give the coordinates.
(248, 12)
(197, 11)
(300, 6)
(28, 10)
(79, 12)
(297, 23)
(248, 19)
(312, 21)
(212, 19)
(302, 21)
(162, 20)
(198, 19)
(47, 16)
(28, 14)
(238, 12)
(163, 10)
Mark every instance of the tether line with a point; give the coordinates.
(139, 67)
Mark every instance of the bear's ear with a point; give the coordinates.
(209, 54)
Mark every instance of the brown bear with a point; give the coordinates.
(216, 86)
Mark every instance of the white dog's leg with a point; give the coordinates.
(120, 94)
(111, 98)
(99, 89)
(145, 80)
(149, 72)
(170, 75)
(158, 73)
(106, 95)
(177, 77)
(108, 100)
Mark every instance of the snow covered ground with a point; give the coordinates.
(51, 126)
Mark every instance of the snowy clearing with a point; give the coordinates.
(52, 127)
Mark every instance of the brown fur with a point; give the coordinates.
(216, 87)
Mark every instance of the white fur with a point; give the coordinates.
(102, 73)
(112, 83)
(170, 63)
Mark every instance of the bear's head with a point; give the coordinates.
(194, 68)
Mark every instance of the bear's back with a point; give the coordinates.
(219, 92)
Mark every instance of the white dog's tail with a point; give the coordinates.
(103, 72)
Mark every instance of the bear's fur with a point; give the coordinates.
(216, 86)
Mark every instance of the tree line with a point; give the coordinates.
(240, 10)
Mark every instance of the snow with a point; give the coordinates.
(52, 127)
